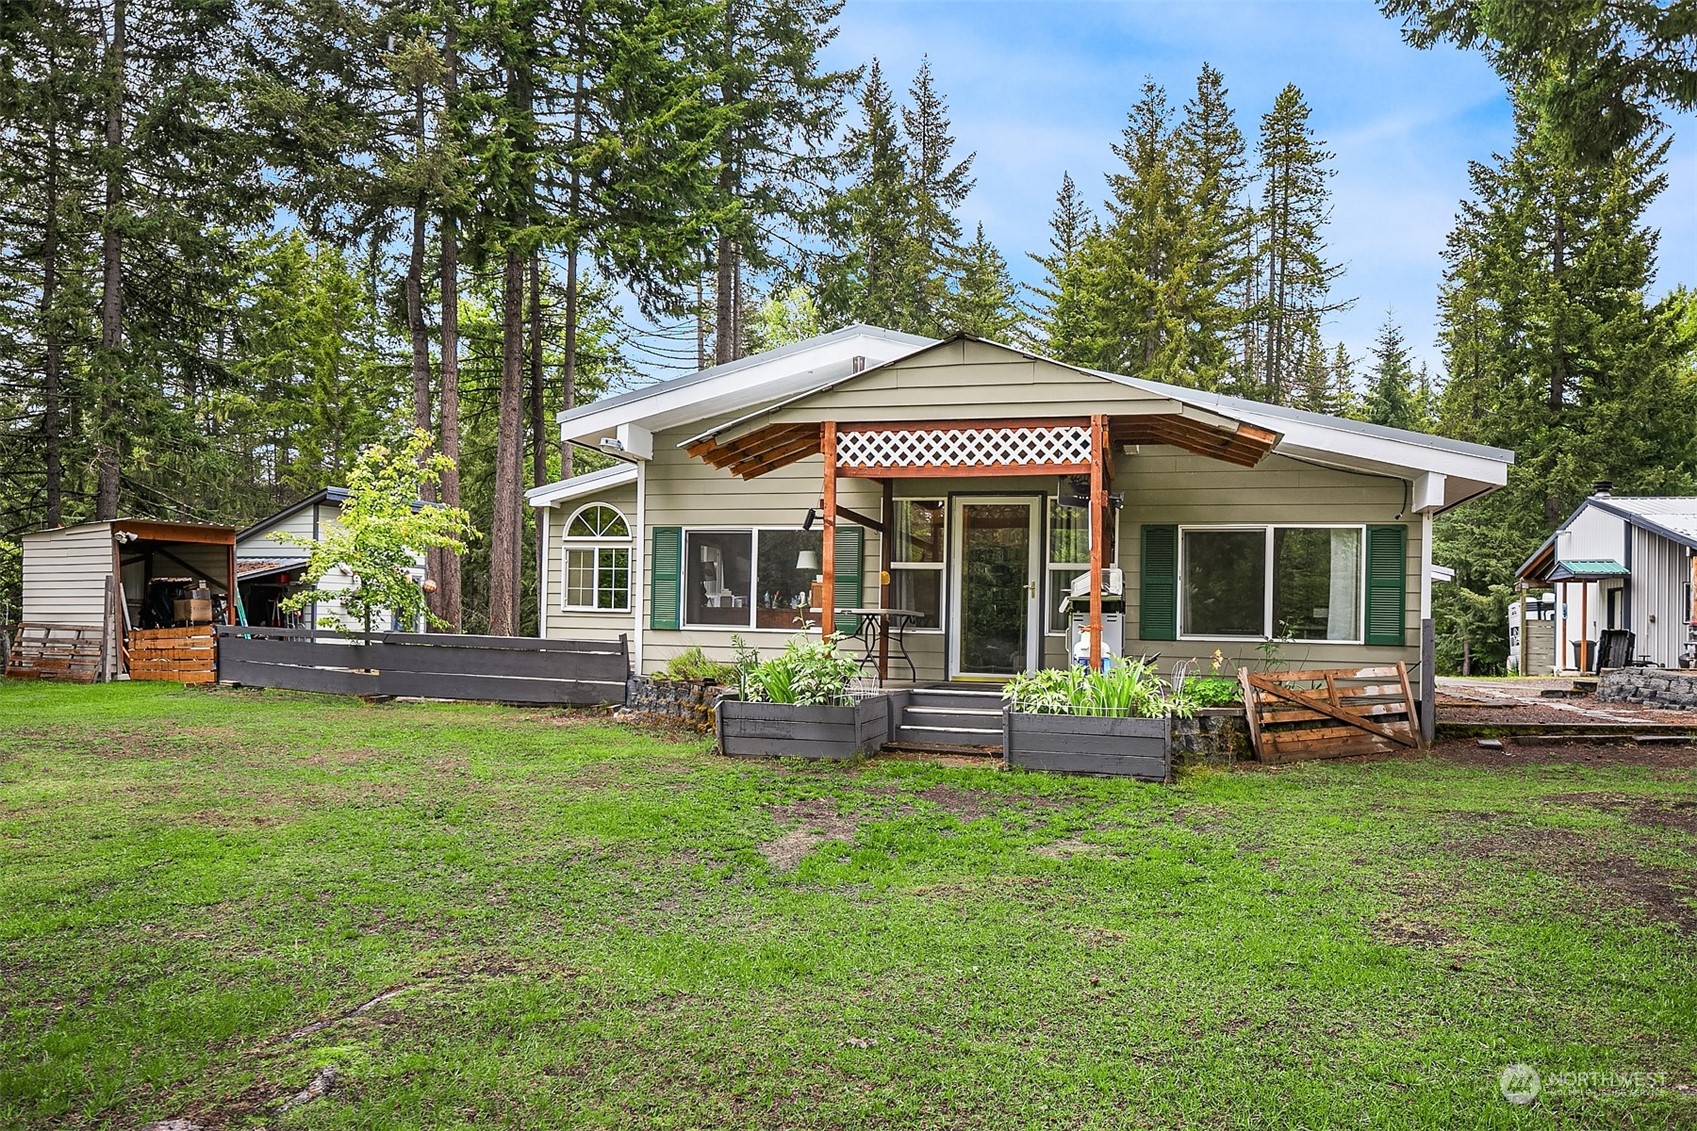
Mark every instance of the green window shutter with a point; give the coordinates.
(1157, 617)
(851, 546)
(666, 597)
(1387, 584)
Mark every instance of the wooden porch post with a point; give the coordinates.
(1098, 531)
(828, 550)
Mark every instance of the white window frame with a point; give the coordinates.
(1266, 529)
(1051, 592)
(596, 545)
(938, 568)
(753, 533)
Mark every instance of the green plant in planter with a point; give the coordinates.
(807, 673)
(694, 664)
(1127, 689)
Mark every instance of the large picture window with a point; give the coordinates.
(916, 559)
(1296, 582)
(750, 578)
(597, 561)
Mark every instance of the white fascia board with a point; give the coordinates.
(550, 494)
(1343, 448)
(740, 389)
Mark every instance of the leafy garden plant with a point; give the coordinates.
(1128, 688)
(807, 673)
(694, 664)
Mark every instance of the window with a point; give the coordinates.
(597, 577)
(751, 578)
(1303, 583)
(1317, 583)
(1068, 556)
(916, 559)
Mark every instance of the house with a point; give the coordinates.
(964, 482)
(91, 589)
(1621, 563)
(268, 570)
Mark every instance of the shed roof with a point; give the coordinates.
(337, 495)
(1674, 517)
(152, 529)
(1586, 569)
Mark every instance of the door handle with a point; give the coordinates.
(1031, 590)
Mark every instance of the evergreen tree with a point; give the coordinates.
(1060, 321)
(1552, 348)
(1392, 398)
(1142, 262)
(782, 108)
(875, 259)
(1211, 154)
(940, 185)
(1344, 397)
(1315, 387)
(1295, 278)
(986, 301)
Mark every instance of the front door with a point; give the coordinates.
(994, 586)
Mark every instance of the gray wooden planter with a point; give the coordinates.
(772, 730)
(1089, 744)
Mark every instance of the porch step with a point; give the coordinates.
(950, 720)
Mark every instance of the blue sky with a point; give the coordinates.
(1036, 88)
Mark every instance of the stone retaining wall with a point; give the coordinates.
(1653, 687)
(671, 702)
(1216, 736)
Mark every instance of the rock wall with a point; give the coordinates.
(1216, 736)
(671, 702)
(1653, 687)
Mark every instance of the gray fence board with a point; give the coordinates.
(551, 672)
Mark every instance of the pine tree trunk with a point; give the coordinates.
(53, 366)
(110, 370)
(538, 418)
(724, 312)
(421, 414)
(568, 350)
(448, 601)
(506, 525)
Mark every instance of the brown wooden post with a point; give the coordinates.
(1098, 531)
(1561, 629)
(230, 592)
(828, 549)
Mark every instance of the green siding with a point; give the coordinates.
(1158, 606)
(665, 606)
(1387, 584)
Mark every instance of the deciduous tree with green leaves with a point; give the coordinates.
(382, 535)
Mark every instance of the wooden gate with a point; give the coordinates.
(71, 652)
(1330, 712)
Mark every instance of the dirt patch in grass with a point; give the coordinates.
(1398, 930)
(817, 820)
(1468, 752)
(1067, 849)
(1678, 816)
(1591, 877)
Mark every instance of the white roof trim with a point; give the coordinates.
(564, 491)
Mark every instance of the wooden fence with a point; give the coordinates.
(70, 652)
(503, 669)
(179, 655)
(1330, 712)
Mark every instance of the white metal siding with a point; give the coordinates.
(1660, 572)
(65, 574)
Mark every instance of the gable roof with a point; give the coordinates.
(1673, 517)
(578, 486)
(739, 385)
(337, 495)
(1461, 470)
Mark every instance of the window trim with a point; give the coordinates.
(1267, 529)
(1050, 567)
(933, 567)
(685, 624)
(595, 544)
(595, 547)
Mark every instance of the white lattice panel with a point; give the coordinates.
(964, 447)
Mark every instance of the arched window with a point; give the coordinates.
(596, 561)
(597, 520)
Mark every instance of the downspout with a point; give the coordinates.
(542, 574)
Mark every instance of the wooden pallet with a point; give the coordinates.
(1329, 712)
(68, 652)
(180, 655)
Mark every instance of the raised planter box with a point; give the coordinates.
(782, 730)
(1089, 744)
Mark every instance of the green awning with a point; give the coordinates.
(1587, 569)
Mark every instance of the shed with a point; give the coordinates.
(92, 590)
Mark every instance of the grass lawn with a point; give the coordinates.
(589, 925)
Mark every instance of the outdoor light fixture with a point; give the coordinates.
(125, 537)
(611, 444)
(812, 517)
